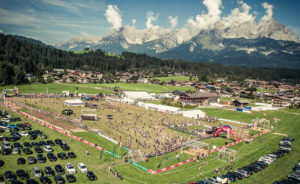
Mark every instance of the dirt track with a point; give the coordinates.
(53, 121)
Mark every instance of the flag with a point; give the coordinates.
(101, 154)
(120, 142)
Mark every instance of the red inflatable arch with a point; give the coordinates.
(226, 129)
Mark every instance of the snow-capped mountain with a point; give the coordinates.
(79, 43)
(236, 43)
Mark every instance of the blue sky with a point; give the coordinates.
(52, 21)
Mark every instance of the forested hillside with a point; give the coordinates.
(17, 58)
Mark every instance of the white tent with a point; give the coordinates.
(138, 95)
(196, 114)
(160, 108)
(127, 101)
(73, 102)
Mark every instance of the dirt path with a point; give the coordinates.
(78, 130)
(53, 121)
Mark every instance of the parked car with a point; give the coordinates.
(50, 142)
(211, 181)
(286, 148)
(67, 111)
(22, 174)
(27, 144)
(91, 176)
(35, 143)
(45, 180)
(27, 124)
(59, 169)
(27, 151)
(15, 151)
(21, 161)
(43, 143)
(18, 145)
(31, 181)
(285, 142)
(31, 160)
(1, 163)
(82, 168)
(10, 176)
(33, 137)
(291, 139)
(37, 172)
(41, 158)
(43, 136)
(6, 145)
(62, 156)
(70, 168)
(48, 148)
(65, 147)
(49, 171)
(243, 173)
(38, 149)
(6, 151)
(59, 179)
(58, 141)
(71, 178)
(71, 155)
(51, 156)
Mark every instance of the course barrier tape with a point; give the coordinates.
(140, 166)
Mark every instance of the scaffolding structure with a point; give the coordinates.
(261, 124)
(243, 132)
(228, 155)
(196, 148)
(135, 155)
(89, 114)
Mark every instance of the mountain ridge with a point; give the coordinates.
(206, 45)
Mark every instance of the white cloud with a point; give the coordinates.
(239, 15)
(1, 31)
(173, 21)
(11, 18)
(133, 22)
(151, 17)
(113, 16)
(269, 11)
(208, 20)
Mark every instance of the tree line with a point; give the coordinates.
(19, 57)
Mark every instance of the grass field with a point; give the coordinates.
(96, 139)
(174, 78)
(81, 51)
(246, 153)
(266, 90)
(54, 88)
(233, 115)
(150, 88)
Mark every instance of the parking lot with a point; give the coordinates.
(35, 149)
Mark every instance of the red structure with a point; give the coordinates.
(226, 129)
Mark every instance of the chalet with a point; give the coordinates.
(156, 81)
(201, 88)
(281, 101)
(240, 103)
(98, 75)
(124, 79)
(199, 98)
(69, 80)
(142, 80)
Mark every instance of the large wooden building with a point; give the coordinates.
(199, 98)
